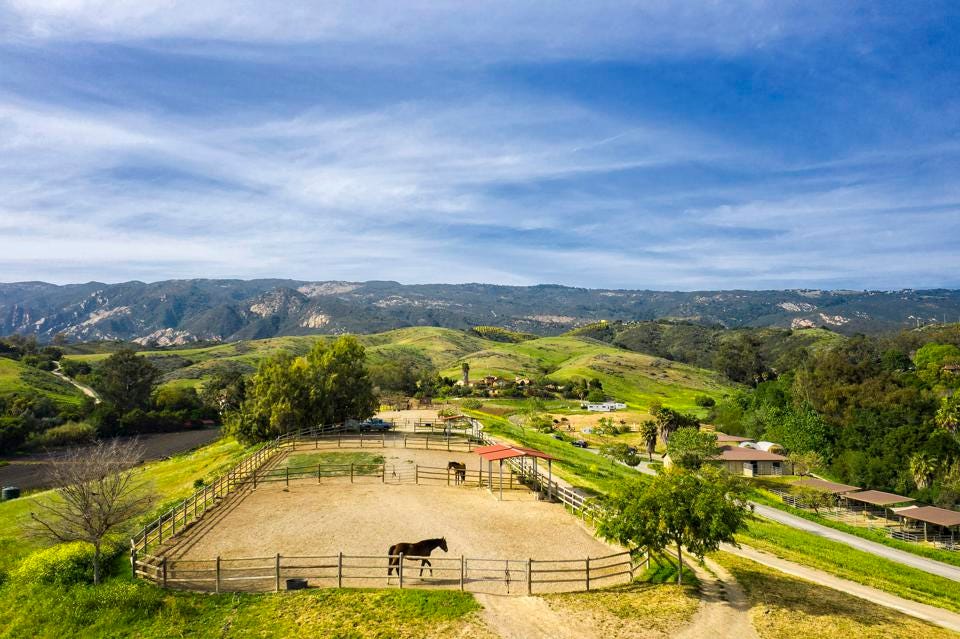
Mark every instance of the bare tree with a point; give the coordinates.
(97, 493)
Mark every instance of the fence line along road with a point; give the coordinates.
(501, 576)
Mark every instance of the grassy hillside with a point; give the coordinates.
(16, 377)
(635, 378)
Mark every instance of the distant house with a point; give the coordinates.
(953, 369)
(723, 438)
(605, 407)
(750, 462)
(521, 381)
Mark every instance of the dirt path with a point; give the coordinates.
(86, 390)
(931, 614)
(724, 610)
(530, 618)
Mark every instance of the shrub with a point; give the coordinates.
(67, 434)
(63, 564)
(472, 404)
(705, 401)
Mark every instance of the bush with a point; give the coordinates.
(63, 564)
(472, 404)
(65, 435)
(704, 401)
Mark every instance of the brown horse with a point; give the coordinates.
(419, 549)
(460, 470)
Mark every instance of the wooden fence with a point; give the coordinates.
(501, 576)
(258, 467)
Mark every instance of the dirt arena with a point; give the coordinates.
(311, 518)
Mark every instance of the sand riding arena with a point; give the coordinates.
(323, 510)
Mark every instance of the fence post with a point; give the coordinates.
(318, 473)
(588, 574)
(254, 477)
(416, 473)
(529, 576)
(288, 476)
(133, 561)
(174, 522)
(278, 572)
(340, 569)
(164, 566)
(383, 473)
(351, 472)
(463, 571)
(217, 588)
(400, 571)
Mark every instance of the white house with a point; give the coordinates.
(606, 407)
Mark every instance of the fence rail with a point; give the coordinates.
(258, 467)
(513, 576)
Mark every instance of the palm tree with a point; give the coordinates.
(465, 367)
(922, 467)
(649, 431)
(948, 416)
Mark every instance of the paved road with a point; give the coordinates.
(900, 556)
(932, 614)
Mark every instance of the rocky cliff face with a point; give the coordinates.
(182, 311)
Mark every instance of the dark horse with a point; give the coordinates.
(419, 549)
(460, 469)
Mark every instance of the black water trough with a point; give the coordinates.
(296, 584)
(9, 492)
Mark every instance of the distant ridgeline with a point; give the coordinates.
(183, 311)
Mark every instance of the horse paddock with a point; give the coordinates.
(317, 519)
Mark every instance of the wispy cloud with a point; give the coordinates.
(284, 145)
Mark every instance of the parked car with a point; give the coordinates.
(374, 423)
(580, 443)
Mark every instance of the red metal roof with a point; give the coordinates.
(723, 437)
(502, 451)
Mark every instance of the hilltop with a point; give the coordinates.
(176, 312)
(634, 377)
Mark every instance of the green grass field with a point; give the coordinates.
(784, 607)
(850, 563)
(19, 378)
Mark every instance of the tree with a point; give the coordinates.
(699, 510)
(648, 429)
(225, 391)
(813, 498)
(948, 415)
(98, 494)
(922, 468)
(690, 448)
(596, 396)
(804, 463)
(669, 420)
(126, 380)
(329, 385)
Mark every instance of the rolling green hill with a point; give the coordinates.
(632, 377)
(635, 378)
(16, 377)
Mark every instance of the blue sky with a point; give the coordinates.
(664, 145)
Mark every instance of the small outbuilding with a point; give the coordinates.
(751, 462)
(874, 502)
(936, 524)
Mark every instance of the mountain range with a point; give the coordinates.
(183, 311)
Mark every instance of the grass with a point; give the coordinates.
(871, 534)
(790, 608)
(634, 378)
(616, 612)
(123, 608)
(16, 377)
(299, 460)
(170, 479)
(849, 563)
(575, 465)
